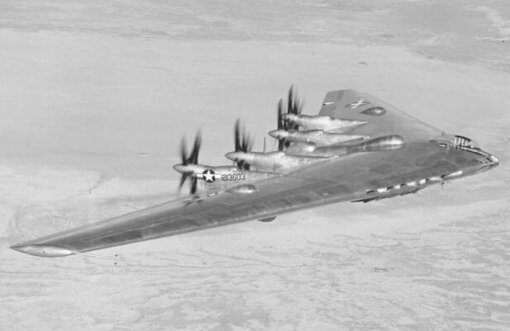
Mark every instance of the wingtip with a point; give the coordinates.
(43, 250)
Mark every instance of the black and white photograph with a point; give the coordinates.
(254, 165)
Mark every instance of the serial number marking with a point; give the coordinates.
(233, 177)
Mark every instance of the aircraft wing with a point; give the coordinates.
(382, 118)
(340, 179)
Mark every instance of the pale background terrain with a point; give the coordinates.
(95, 96)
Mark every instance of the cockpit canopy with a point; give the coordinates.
(460, 141)
(457, 142)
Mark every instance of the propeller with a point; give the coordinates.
(242, 143)
(294, 107)
(294, 104)
(281, 124)
(191, 158)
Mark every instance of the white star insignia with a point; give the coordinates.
(209, 176)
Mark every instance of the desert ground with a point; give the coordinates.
(95, 97)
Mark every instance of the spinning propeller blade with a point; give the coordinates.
(192, 158)
(281, 124)
(294, 106)
(242, 143)
(184, 159)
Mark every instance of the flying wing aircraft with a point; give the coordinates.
(391, 154)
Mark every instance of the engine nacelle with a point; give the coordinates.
(386, 143)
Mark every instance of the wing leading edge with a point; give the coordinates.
(343, 179)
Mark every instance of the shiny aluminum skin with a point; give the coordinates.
(426, 157)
